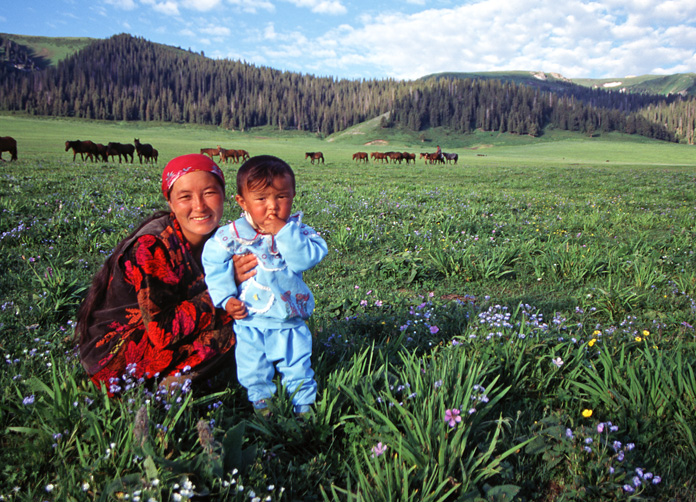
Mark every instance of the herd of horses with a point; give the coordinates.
(226, 153)
(98, 151)
(432, 158)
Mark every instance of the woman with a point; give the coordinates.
(148, 313)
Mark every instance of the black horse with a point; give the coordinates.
(145, 150)
(8, 144)
(121, 149)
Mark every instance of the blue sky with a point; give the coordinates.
(393, 39)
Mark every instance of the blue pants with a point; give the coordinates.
(260, 351)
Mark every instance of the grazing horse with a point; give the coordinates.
(145, 150)
(312, 156)
(228, 153)
(121, 149)
(396, 156)
(81, 147)
(100, 150)
(243, 154)
(8, 144)
(382, 157)
(450, 157)
(409, 156)
(358, 156)
(432, 157)
(210, 152)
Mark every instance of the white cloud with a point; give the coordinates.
(573, 38)
(168, 7)
(321, 6)
(201, 5)
(252, 6)
(217, 31)
(122, 4)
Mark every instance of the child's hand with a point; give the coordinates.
(272, 225)
(236, 308)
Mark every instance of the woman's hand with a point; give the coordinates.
(236, 308)
(244, 265)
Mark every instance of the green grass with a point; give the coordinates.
(513, 290)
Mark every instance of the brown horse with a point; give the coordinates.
(121, 149)
(396, 156)
(8, 144)
(228, 153)
(312, 156)
(358, 156)
(210, 152)
(243, 154)
(83, 148)
(101, 151)
(409, 156)
(382, 157)
(145, 150)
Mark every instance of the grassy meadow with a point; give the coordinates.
(518, 326)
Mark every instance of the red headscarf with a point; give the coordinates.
(185, 164)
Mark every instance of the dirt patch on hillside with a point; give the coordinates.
(377, 142)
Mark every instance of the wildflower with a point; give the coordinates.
(28, 400)
(378, 449)
(646, 332)
(437, 384)
(378, 303)
(434, 329)
(49, 488)
(630, 446)
(363, 303)
(638, 339)
(558, 362)
(85, 486)
(586, 413)
(656, 480)
(592, 342)
(587, 449)
(569, 433)
(452, 417)
(600, 427)
(597, 333)
(628, 488)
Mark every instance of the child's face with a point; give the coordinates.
(268, 205)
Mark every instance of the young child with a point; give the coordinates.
(271, 333)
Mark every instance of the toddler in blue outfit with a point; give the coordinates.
(271, 334)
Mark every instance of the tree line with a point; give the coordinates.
(129, 78)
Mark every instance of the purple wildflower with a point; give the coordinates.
(452, 417)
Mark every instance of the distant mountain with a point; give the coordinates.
(683, 84)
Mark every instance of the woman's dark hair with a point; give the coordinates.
(100, 282)
(260, 171)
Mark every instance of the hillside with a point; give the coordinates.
(130, 78)
(42, 51)
(659, 85)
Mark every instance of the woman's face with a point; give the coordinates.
(197, 200)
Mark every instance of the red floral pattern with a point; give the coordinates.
(157, 317)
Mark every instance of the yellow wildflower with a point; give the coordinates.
(646, 332)
(639, 339)
(596, 333)
(592, 342)
(586, 413)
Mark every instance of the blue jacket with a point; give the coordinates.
(276, 296)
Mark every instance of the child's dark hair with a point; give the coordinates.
(259, 172)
